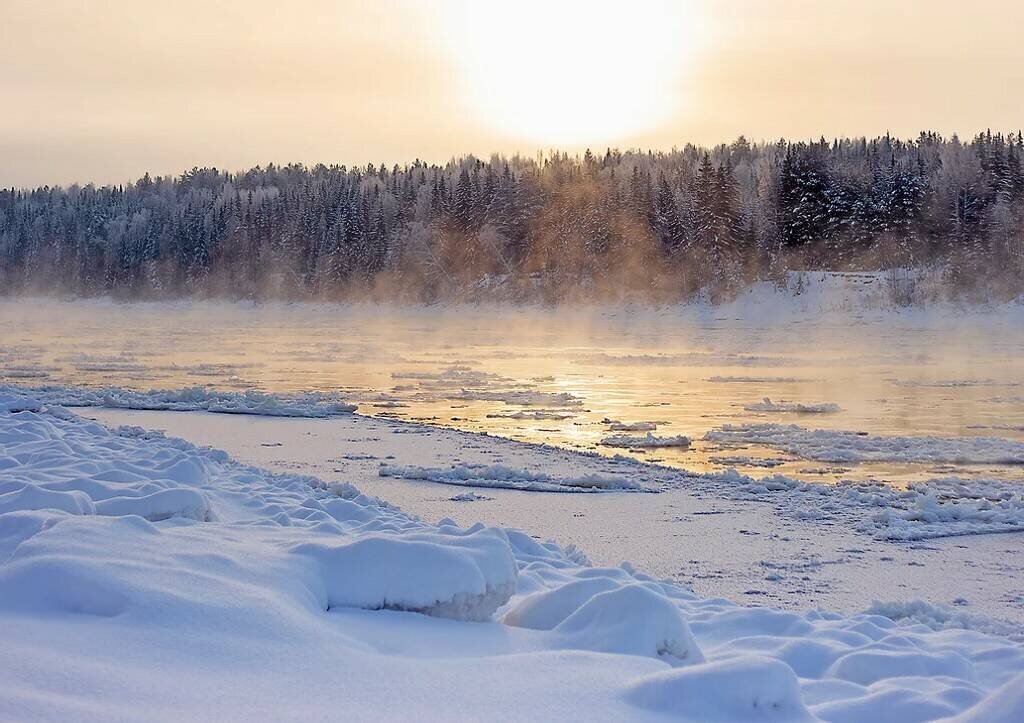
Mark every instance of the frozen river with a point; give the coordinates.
(889, 381)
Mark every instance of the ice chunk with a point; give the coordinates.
(647, 440)
(826, 445)
(499, 476)
(767, 405)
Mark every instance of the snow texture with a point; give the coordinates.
(144, 577)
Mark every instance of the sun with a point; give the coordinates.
(572, 72)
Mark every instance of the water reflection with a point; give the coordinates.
(568, 376)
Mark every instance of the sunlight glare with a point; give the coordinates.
(568, 72)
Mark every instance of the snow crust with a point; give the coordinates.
(144, 577)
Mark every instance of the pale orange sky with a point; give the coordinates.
(105, 90)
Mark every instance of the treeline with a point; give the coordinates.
(662, 224)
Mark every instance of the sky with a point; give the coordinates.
(106, 90)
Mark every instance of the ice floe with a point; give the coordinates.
(754, 380)
(524, 398)
(827, 445)
(537, 414)
(501, 477)
(190, 399)
(767, 405)
(615, 425)
(925, 510)
(628, 441)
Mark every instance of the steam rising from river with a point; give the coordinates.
(570, 377)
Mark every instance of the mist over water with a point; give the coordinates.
(569, 376)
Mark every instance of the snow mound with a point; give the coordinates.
(501, 477)
(451, 576)
(547, 609)
(179, 502)
(631, 620)
(1006, 705)
(30, 497)
(738, 689)
(191, 399)
(767, 405)
(826, 445)
(647, 440)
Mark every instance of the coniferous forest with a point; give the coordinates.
(602, 225)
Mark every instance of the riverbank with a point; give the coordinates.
(150, 579)
(786, 548)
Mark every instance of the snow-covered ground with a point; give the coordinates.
(145, 578)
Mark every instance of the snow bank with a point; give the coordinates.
(245, 590)
(499, 476)
(304, 404)
(826, 445)
(647, 440)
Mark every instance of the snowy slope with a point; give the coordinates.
(144, 578)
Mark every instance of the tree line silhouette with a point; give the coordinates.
(667, 224)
